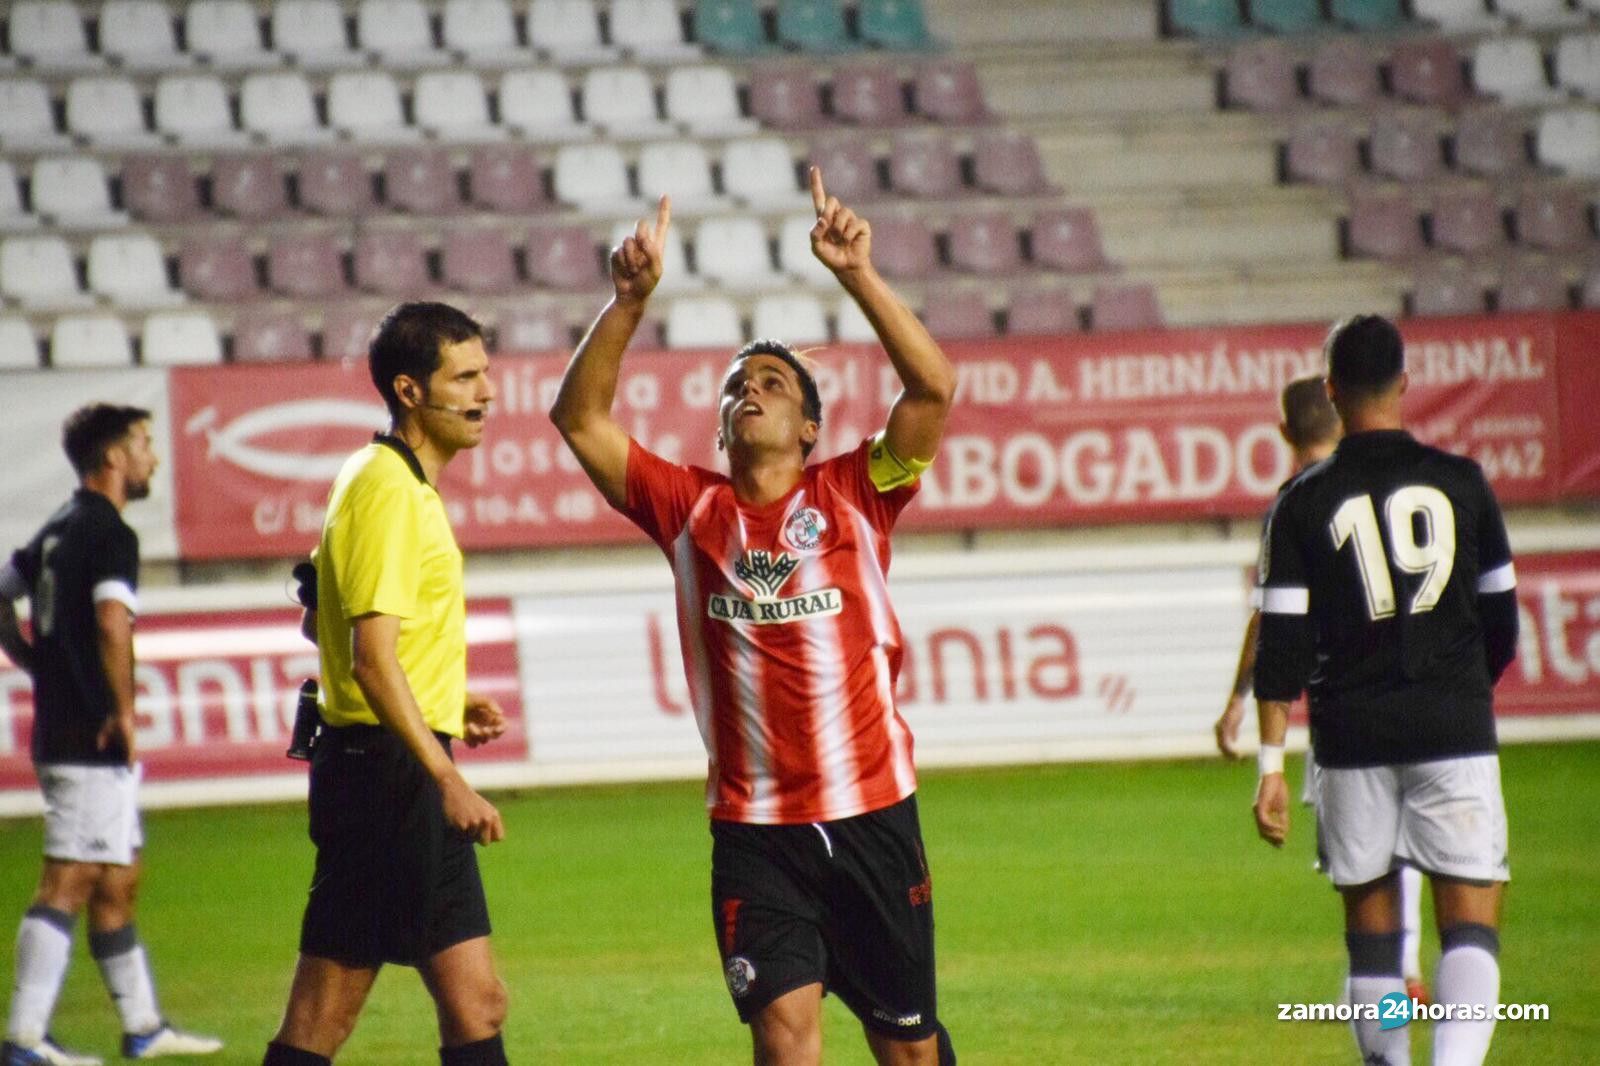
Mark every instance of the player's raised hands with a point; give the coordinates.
(841, 238)
(636, 262)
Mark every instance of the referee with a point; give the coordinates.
(393, 820)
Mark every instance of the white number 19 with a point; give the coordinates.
(1434, 556)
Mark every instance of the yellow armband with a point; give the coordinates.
(888, 470)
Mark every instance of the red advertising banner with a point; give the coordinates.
(217, 693)
(1095, 428)
(1557, 670)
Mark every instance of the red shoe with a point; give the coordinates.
(1417, 990)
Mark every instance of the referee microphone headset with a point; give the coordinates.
(471, 414)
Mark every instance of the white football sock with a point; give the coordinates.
(1468, 972)
(126, 973)
(44, 947)
(1411, 922)
(1379, 1046)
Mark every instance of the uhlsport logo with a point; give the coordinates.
(765, 574)
(805, 529)
(741, 975)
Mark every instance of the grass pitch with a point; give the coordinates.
(1087, 913)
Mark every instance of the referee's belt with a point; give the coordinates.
(360, 738)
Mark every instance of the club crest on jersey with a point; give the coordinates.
(805, 529)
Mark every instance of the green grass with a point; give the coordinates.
(1105, 913)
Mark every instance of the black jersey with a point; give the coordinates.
(1387, 593)
(84, 554)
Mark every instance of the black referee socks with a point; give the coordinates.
(284, 1055)
(489, 1052)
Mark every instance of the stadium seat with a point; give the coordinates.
(313, 34)
(397, 34)
(925, 164)
(869, 95)
(365, 106)
(1512, 69)
(730, 26)
(1553, 217)
(1125, 306)
(1577, 65)
(138, 35)
(106, 112)
(1438, 289)
(1540, 14)
(732, 252)
(794, 318)
(1324, 154)
(265, 335)
(38, 273)
(278, 108)
(594, 178)
(507, 178)
(49, 35)
(1006, 162)
(1456, 16)
(336, 183)
(563, 257)
(851, 325)
(1491, 141)
(785, 97)
(421, 181)
(483, 33)
(1384, 226)
(795, 257)
(704, 322)
(567, 31)
(160, 189)
(1287, 16)
(706, 100)
(959, 315)
(651, 31)
(13, 216)
(27, 121)
(622, 101)
(531, 329)
(894, 24)
(760, 173)
(478, 260)
(217, 268)
(72, 191)
(1532, 285)
(129, 270)
(1068, 239)
(1370, 16)
(193, 111)
(226, 35)
(346, 332)
(985, 244)
(848, 168)
(675, 273)
(1344, 72)
(815, 26)
(1042, 313)
(307, 265)
(249, 187)
(1260, 76)
(948, 91)
(680, 168)
(180, 338)
(1406, 146)
(1567, 140)
(1427, 72)
(538, 105)
(1468, 220)
(904, 249)
(450, 106)
(90, 341)
(391, 263)
(19, 348)
(1206, 18)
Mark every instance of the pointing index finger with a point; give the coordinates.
(819, 197)
(663, 216)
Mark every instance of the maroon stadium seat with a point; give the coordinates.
(1384, 226)
(1068, 240)
(478, 260)
(160, 189)
(421, 181)
(1007, 162)
(261, 335)
(1468, 220)
(1323, 154)
(1437, 289)
(1532, 285)
(786, 97)
(507, 177)
(346, 331)
(217, 267)
(958, 315)
(1260, 76)
(904, 248)
(1406, 145)
(848, 167)
(249, 187)
(307, 265)
(336, 183)
(1553, 217)
(392, 262)
(925, 164)
(1428, 72)
(1491, 141)
(948, 91)
(869, 95)
(1126, 306)
(1344, 73)
(563, 257)
(1042, 313)
(985, 244)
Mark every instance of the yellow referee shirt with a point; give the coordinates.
(387, 548)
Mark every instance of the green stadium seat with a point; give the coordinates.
(1368, 14)
(813, 26)
(896, 24)
(730, 26)
(1287, 16)
(1207, 18)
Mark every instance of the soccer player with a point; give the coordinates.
(393, 820)
(80, 573)
(1312, 429)
(791, 647)
(1388, 585)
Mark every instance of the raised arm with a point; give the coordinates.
(842, 240)
(582, 411)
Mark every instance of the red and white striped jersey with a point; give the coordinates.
(789, 641)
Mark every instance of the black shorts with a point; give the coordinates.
(848, 904)
(394, 882)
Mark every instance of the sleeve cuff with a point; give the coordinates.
(1500, 579)
(119, 590)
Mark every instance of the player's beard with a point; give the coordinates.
(138, 490)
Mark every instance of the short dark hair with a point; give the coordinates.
(91, 430)
(810, 398)
(1308, 416)
(409, 341)
(1365, 355)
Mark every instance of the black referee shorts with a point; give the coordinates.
(394, 882)
(847, 904)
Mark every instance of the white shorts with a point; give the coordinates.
(91, 813)
(1446, 817)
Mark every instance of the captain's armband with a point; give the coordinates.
(889, 471)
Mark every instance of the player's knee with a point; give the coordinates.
(785, 1041)
(496, 1002)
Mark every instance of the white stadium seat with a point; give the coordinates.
(622, 101)
(537, 103)
(397, 33)
(704, 322)
(180, 338)
(794, 318)
(365, 105)
(278, 108)
(568, 31)
(706, 100)
(72, 190)
(138, 35)
(227, 34)
(107, 112)
(451, 105)
(193, 110)
(90, 341)
(483, 33)
(732, 252)
(27, 122)
(38, 273)
(19, 348)
(130, 271)
(50, 35)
